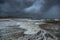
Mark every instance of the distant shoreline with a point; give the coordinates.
(5, 17)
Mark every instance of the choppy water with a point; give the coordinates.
(12, 28)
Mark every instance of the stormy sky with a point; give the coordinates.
(30, 8)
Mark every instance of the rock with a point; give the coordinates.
(53, 28)
(17, 32)
(11, 32)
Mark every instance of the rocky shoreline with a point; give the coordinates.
(10, 30)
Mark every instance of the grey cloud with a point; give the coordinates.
(30, 8)
(42, 9)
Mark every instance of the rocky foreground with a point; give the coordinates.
(27, 29)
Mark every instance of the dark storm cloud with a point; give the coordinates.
(30, 8)
(40, 5)
(45, 9)
(14, 7)
(2, 1)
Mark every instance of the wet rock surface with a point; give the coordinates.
(10, 30)
(52, 27)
